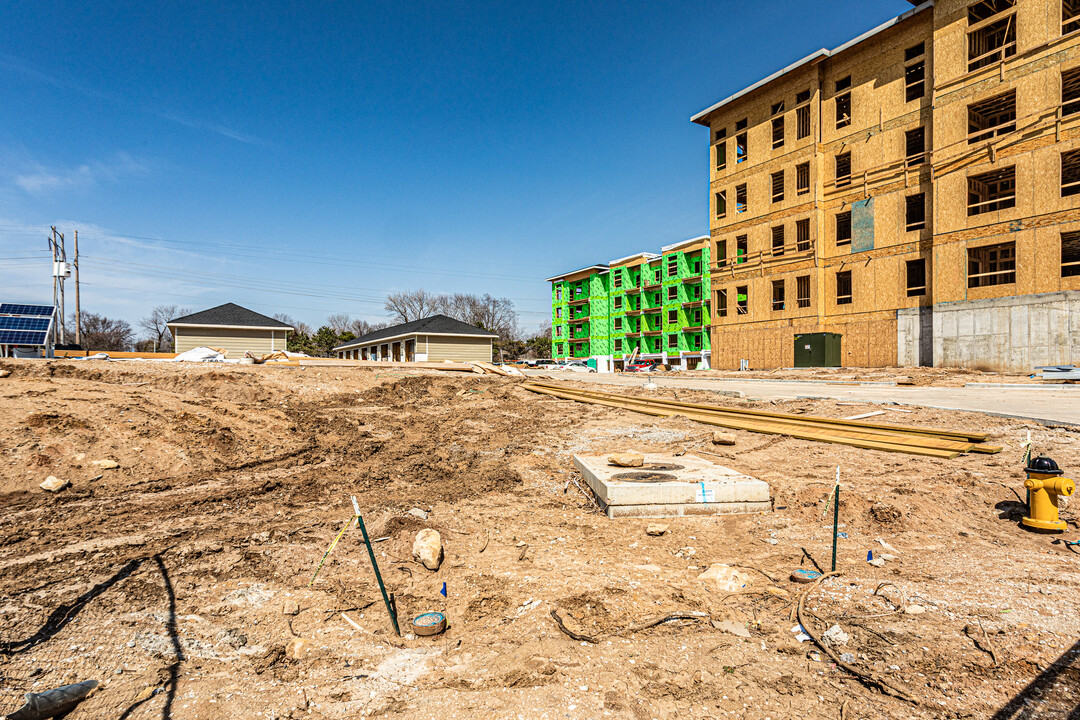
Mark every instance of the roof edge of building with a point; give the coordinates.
(597, 267)
(700, 118)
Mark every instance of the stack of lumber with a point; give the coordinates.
(872, 436)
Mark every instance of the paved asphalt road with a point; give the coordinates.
(1049, 404)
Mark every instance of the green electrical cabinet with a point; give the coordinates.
(817, 350)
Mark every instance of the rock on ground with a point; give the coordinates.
(54, 484)
(724, 577)
(626, 459)
(656, 529)
(428, 548)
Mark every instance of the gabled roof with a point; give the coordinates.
(230, 315)
(434, 325)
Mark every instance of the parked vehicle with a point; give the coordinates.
(578, 367)
(545, 363)
(643, 366)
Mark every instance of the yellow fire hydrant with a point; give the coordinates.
(1044, 484)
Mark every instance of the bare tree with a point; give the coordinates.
(494, 314)
(300, 328)
(102, 333)
(339, 323)
(361, 327)
(156, 324)
(410, 305)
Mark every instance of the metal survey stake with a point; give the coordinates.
(835, 517)
(378, 577)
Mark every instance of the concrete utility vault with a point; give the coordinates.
(669, 486)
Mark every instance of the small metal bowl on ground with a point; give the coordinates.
(431, 623)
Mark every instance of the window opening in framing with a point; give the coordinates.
(1070, 16)
(721, 303)
(721, 134)
(618, 345)
(843, 287)
(672, 341)
(843, 102)
(695, 317)
(778, 186)
(1070, 173)
(778, 241)
(741, 124)
(742, 300)
(915, 80)
(558, 293)
(673, 266)
(802, 235)
(672, 317)
(916, 277)
(720, 149)
(741, 247)
(802, 115)
(915, 146)
(992, 265)
(802, 291)
(740, 148)
(990, 42)
(673, 293)
(618, 303)
(915, 211)
(777, 295)
(617, 279)
(740, 198)
(843, 170)
(721, 204)
(843, 228)
(915, 51)
(995, 190)
(1070, 91)
(558, 312)
(992, 117)
(618, 324)
(1070, 254)
(778, 125)
(802, 178)
(558, 331)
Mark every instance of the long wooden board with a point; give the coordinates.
(908, 439)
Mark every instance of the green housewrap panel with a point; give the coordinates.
(862, 225)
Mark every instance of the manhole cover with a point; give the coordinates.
(662, 467)
(643, 476)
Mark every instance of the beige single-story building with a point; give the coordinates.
(231, 328)
(431, 339)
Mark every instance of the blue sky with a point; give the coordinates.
(308, 158)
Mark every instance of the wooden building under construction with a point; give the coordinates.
(916, 190)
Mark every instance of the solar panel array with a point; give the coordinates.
(17, 309)
(25, 324)
(37, 324)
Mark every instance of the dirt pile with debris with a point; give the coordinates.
(180, 579)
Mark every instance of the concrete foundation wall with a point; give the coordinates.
(1006, 334)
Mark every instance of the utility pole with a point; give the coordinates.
(78, 314)
(61, 270)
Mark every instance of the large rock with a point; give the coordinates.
(428, 548)
(725, 578)
(54, 484)
(719, 438)
(626, 459)
(656, 529)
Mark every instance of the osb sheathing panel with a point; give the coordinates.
(770, 347)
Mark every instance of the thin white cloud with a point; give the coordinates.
(17, 65)
(41, 180)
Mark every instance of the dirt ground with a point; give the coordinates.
(181, 579)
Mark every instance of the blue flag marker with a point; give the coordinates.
(443, 591)
(869, 557)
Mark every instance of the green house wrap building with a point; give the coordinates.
(647, 306)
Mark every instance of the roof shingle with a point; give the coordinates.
(229, 314)
(434, 325)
